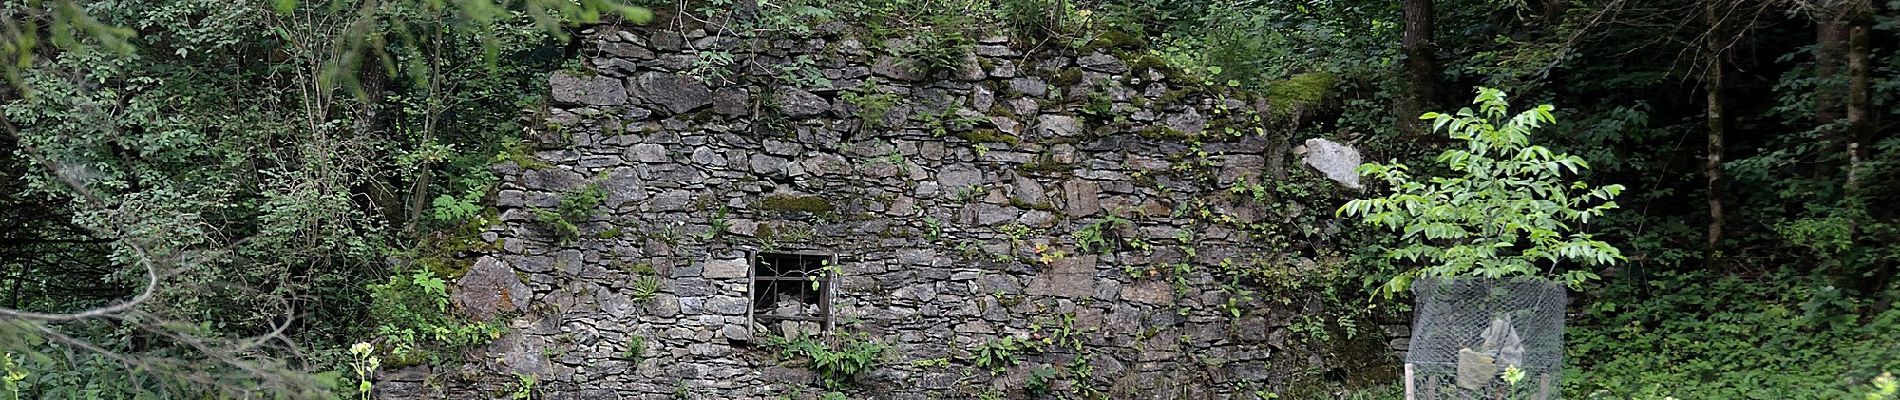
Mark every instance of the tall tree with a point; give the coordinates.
(1421, 67)
(1860, 138)
(1713, 44)
(1830, 55)
(1859, 16)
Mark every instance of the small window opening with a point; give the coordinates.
(791, 293)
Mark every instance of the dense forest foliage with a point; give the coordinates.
(204, 198)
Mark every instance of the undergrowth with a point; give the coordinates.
(1698, 335)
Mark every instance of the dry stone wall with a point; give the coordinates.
(959, 218)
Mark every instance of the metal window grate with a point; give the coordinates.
(791, 293)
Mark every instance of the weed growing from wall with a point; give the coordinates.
(575, 207)
(838, 358)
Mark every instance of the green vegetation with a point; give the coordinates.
(1300, 92)
(574, 209)
(873, 105)
(233, 171)
(636, 350)
(1729, 337)
(980, 136)
(646, 280)
(1509, 210)
(997, 355)
(838, 358)
(416, 326)
(941, 48)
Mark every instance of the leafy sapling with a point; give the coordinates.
(1509, 208)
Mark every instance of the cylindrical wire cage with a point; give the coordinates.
(1484, 338)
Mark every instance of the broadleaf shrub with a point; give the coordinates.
(413, 321)
(1509, 207)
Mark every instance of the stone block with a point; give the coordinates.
(1072, 277)
(490, 287)
(593, 90)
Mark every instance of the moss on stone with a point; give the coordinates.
(1000, 109)
(1117, 39)
(765, 232)
(987, 136)
(1160, 132)
(638, 269)
(1067, 77)
(1008, 300)
(1175, 96)
(1045, 165)
(1099, 108)
(788, 203)
(446, 267)
(1148, 61)
(1300, 91)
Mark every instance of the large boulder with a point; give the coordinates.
(677, 93)
(1335, 160)
(489, 288)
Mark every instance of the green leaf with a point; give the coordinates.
(1507, 207)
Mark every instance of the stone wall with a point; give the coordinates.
(955, 219)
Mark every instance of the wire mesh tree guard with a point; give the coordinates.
(1485, 338)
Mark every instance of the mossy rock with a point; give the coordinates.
(1159, 132)
(1139, 102)
(1000, 109)
(639, 269)
(987, 136)
(447, 268)
(1067, 77)
(1117, 39)
(1300, 91)
(1148, 61)
(1045, 166)
(765, 232)
(789, 203)
(1176, 96)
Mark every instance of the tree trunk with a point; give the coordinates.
(1830, 53)
(1860, 127)
(1713, 42)
(1860, 140)
(1421, 68)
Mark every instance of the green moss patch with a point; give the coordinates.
(1117, 39)
(1159, 132)
(1300, 91)
(1067, 77)
(987, 136)
(1045, 166)
(1148, 61)
(788, 203)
